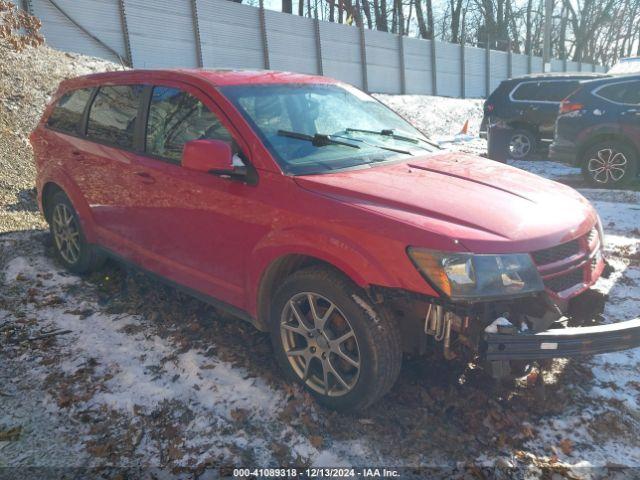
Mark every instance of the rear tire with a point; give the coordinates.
(610, 164)
(69, 242)
(522, 144)
(329, 338)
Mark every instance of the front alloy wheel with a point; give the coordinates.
(320, 344)
(328, 337)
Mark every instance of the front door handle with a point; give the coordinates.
(145, 177)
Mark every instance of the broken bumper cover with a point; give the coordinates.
(563, 343)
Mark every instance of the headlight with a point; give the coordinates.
(466, 276)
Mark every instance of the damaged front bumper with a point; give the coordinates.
(562, 342)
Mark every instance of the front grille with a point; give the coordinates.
(592, 236)
(554, 254)
(565, 281)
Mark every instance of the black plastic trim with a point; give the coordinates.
(563, 343)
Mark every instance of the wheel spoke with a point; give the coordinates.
(294, 329)
(321, 322)
(601, 154)
(74, 243)
(346, 358)
(313, 310)
(340, 340)
(618, 160)
(70, 254)
(325, 376)
(335, 373)
(619, 175)
(68, 217)
(297, 314)
(598, 174)
(307, 369)
(299, 352)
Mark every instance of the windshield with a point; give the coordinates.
(317, 128)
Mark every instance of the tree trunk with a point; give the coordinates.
(366, 6)
(529, 28)
(400, 17)
(422, 26)
(430, 21)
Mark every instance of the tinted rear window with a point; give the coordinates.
(67, 114)
(113, 114)
(544, 91)
(627, 92)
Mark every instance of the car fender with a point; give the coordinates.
(342, 253)
(58, 177)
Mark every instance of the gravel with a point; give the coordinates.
(27, 81)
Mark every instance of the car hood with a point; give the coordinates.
(488, 207)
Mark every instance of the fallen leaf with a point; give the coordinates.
(316, 440)
(239, 414)
(566, 446)
(10, 435)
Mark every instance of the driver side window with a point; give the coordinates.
(175, 118)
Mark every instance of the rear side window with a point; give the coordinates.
(627, 92)
(527, 91)
(113, 114)
(547, 91)
(67, 114)
(175, 118)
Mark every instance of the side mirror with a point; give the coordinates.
(211, 156)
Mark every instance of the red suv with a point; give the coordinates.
(311, 210)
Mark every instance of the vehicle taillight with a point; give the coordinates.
(567, 106)
(489, 107)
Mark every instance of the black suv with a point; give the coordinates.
(598, 129)
(523, 111)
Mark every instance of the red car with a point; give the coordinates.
(310, 209)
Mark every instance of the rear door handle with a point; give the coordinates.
(145, 177)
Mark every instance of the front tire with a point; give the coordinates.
(328, 337)
(610, 164)
(69, 242)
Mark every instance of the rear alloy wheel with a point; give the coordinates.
(521, 144)
(68, 239)
(66, 233)
(328, 338)
(610, 165)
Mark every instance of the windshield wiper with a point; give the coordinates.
(375, 145)
(385, 133)
(317, 140)
(389, 133)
